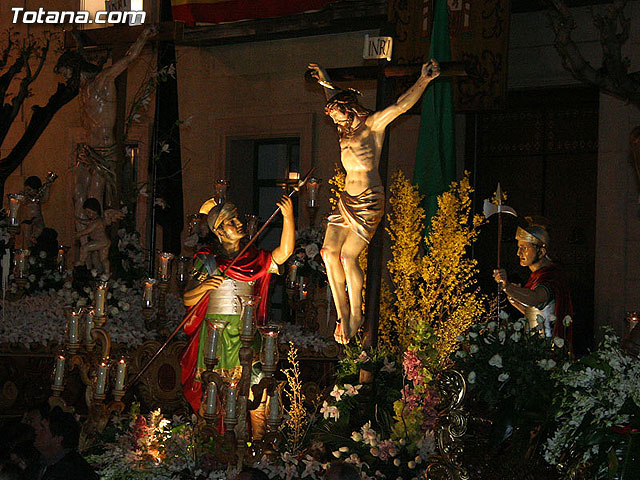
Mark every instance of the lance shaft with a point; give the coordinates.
(184, 321)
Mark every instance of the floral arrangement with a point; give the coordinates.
(509, 370)
(597, 414)
(149, 447)
(306, 257)
(310, 340)
(438, 288)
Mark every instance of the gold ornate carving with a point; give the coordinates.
(450, 428)
(160, 385)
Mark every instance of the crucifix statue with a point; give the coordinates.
(361, 203)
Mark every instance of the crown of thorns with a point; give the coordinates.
(343, 97)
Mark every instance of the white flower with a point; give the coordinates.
(389, 367)
(472, 377)
(363, 357)
(540, 319)
(352, 390)
(496, 361)
(336, 453)
(461, 354)
(356, 437)
(42, 254)
(546, 364)
(474, 348)
(344, 449)
(397, 462)
(566, 321)
(473, 334)
(558, 342)
(311, 250)
(503, 315)
(460, 338)
(502, 335)
(337, 393)
(492, 325)
(503, 377)
(515, 337)
(518, 325)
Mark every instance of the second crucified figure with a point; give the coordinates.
(361, 203)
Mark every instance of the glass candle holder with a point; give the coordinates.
(21, 263)
(214, 334)
(251, 224)
(292, 276)
(249, 313)
(61, 259)
(147, 293)
(313, 185)
(121, 374)
(88, 326)
(14, 205)
(274, 406)
(212, 393)
(221, 190)
(232, 397)
(182, 270)
(100, 298)
(269, 349)
(164, 266)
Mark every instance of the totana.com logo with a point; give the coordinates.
(20, 15)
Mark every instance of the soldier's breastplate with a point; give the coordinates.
(532, 313)
(224, 299)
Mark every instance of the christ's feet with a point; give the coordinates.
(339, 334)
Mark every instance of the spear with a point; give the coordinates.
(489, 209)
(295, 189)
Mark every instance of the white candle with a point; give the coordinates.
(163, 266)
(101, 379)
(88, 326)
(147, 293)
(232, 395)
(248, 314)
(60, 262)
(59, 371)
(212, 342)
(121, 373)
(74, 319)
(182, 274)
(100, 298)
(274, 407)
(211, 398)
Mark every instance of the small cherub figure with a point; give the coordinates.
(97, 239)
(35, 194)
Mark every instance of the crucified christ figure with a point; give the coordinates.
(361, 203)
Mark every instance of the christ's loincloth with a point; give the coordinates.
(361, 213)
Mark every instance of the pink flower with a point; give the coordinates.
(386, 449)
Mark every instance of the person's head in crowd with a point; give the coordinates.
(342, 471)
(252, 474)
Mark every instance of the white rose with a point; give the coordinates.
(503, 377)
(496, 361)
(472, 377)
(474, 348)
(558, 342)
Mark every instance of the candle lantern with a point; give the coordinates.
(232, 397)
(248, 316)
(214, 334)
(221, 190)
(101, 380)
(269, 349)
(147, 293)
(164, 266)
(274, 407)
(14, 205)
(61, 260)
(292, 275)
(100, 298)
(58, 372)
(313, 185)
(212, 393)
(251, 222)
(21, 263)
(182, 271)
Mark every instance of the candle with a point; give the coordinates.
(293, 275)
(101, 378)
(182, 270)
(100, 299)
(294, 176)
(147, 293)
(164, 272)
(58, 378)
(121, 373)
(232, 395)
(14, 205)
(274, 407)
(74, 320)
(211, 398)
(212, 342)
(270, 349)
(21, 262)
(88, 326)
